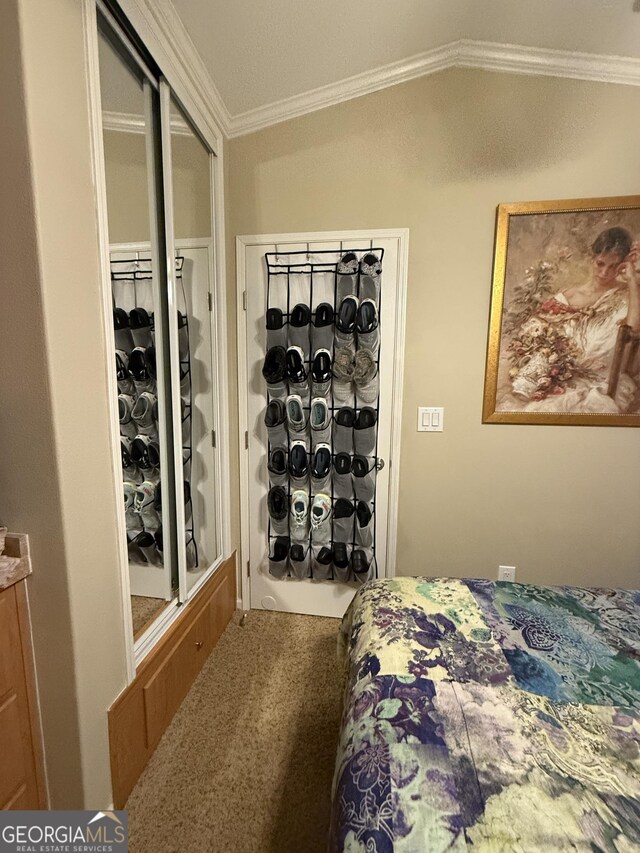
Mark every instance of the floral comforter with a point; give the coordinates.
(489, 717)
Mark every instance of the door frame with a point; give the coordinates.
(242, 243)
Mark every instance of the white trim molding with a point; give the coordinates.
(465, 53)
(131, 123)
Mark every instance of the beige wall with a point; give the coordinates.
(57, 482)
(437, 155)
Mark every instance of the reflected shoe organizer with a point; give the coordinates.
(159, 545)
(144, 413)
(128, 426)
(145, 452)
(139, 370)
(121, 330)
(145, 543)
(129, 469)
(132, 518)
(321, 512)
(365, 376)
(125, 383)
(343, 371)
(370, 277)
(299, 516)
(183, 337)
(274, 371)
(278, 508)
(140, 322)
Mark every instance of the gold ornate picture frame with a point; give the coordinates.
(564, 332)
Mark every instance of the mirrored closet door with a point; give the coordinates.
(160, 223)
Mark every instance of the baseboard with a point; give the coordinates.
(142, 712)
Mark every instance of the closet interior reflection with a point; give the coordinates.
(159, 207)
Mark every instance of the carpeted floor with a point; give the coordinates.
(247, 762)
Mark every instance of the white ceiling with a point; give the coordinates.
(258, 53)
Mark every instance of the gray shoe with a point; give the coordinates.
(342, 562)
(300, 561)
(370, 277)
(279, 557)
(278, 508)
(364, 431)
(321, 562)
(343, 430)
(347, 276)
(367, 326)
(322, 329)
(346, 316)
(364, 525)
(343, 371)
(320, 517)
(364, 478)
(342, 479)
(276, 329)
(296, 414)
(320, 422)
(299, 327)
(275, 420)
(343, 518)
(363, 565)
(365, 376)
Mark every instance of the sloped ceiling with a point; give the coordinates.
(258, 53)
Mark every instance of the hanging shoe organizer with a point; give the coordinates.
(321, 370)
(134, 330)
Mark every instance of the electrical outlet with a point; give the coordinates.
(506, 573)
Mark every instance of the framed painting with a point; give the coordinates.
(564, 329)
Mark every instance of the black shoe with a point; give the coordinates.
(297, 552)
(280, 549)
(342, 463)
(145, 452)
(360, 466)
(159, 539)
(324, 315)
(296, 370)
(347, 314)
(325, 555)
(359, 562)
(274, 319)
(363, 511)
(138, 367)
(157, 500)
(367, 417)
(343, 508)
(277, 463)
(321, 465)
(300, 316)
(150, 356)
(367, 316)
(275, 414)
(125, 456)
(277, 503)
(346, 416)
(274, 368)
(340, 556)
(140, 319)
(120, 320)
(122, 370)
(321, 368)
(298, 460)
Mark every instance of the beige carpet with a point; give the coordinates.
(247, 762)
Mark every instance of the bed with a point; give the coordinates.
(488, 716)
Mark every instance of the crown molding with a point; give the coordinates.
(164, 34)
(131, 123)
(465, 53)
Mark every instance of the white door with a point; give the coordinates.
(318, 253)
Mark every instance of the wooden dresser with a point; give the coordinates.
(22, 780)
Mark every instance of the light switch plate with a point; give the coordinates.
(430, 419)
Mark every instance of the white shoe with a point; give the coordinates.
(128, 427)
(296, 415)
(131, 516)
(320, 421)
(144, 413)
(144, 505)
(299, 516)
(321, 518)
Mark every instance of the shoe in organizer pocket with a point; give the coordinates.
(298, 465)
(300, 560)
(132, 519)
(279, 557)
(321, 562)
(319, 421)
(370, 277)
(128, 427)
(343, 520)
(140, 322)
(321, 469)
(139, 370)
(321, 373)
(142, 549)
(296, 414)
(343, 370)
(367, 326)
(278, 508)
(343, 421)
(365, 376)
(299, 326)
(183, 337)
(346, 316)
(322, 329)
(144, 505)
(347, 276)
(275, 418)
(364, 477)
(364, 431)
(299, 516)
(362, 565)
(342, 479)
(121, 330)
(274, 371)
(341, 562)
(276, 329)
(277, 466)
(145, 452)
(297, 373)
(144, 413)
(320, 518)
(364, 525)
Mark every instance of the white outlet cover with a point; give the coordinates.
(506, 573)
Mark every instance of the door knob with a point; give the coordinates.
(199, 644)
